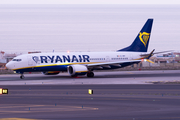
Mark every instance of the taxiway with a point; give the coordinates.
(127, 95)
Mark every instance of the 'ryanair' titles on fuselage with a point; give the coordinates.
(67, 58)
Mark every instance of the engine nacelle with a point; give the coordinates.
(51, 72)
(77, 70)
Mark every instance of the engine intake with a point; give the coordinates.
(77, 70)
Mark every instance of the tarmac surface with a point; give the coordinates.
(127, 95)
(113, 77)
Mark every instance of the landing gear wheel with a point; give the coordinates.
(90, 74)
(22, 76)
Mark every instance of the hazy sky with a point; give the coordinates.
(46, 28)
(89, 1)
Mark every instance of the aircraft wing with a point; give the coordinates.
(112, 64)
(143, 55)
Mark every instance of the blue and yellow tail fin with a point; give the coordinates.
(141, 42)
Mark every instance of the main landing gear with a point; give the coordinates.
(22, 76)
(90, 74)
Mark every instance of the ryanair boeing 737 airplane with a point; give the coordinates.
(82, 63)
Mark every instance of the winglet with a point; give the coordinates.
(146, 58)
(151, 54)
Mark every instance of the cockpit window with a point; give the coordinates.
(16, 60)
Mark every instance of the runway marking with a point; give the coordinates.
(16, 119)
(6, 106)
(163, 118)
(130, 73)
(137, 99)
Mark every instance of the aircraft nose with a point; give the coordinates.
(9, 65)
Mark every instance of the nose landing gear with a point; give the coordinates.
(22, 76)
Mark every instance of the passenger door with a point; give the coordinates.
(31, 62)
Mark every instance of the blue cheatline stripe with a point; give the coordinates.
(43, 68)
(66, 64)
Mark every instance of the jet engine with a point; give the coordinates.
(51, 72)
(74, 70)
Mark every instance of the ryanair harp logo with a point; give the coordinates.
(144, 37)
(35, 58)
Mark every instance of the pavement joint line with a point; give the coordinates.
(51, 109)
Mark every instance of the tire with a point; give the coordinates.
(90, 74)
(22, 76)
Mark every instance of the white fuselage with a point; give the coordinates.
(44, 60)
